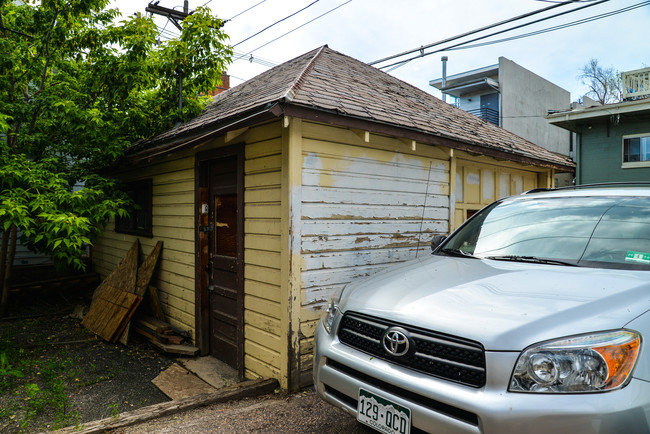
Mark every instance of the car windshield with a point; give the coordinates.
(604, 232)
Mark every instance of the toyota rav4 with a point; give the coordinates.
(531, 317)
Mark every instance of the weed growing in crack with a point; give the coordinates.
(115, 413)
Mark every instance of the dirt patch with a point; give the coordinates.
(55, 373)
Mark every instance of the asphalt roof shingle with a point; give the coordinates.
(324, 79)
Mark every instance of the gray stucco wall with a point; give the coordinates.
(600, 153)
(525, 99)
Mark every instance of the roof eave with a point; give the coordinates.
(569, 120)
(202, 134)
(378, 127)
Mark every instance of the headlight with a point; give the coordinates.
(331, 311)
(588, 363)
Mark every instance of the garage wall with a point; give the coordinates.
(173, 223)
(263, 314)
(365, 200)
(480, 181)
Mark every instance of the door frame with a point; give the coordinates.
(202, 297)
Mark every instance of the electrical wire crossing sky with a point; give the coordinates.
(553, 39)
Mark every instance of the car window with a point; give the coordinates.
(587, 231)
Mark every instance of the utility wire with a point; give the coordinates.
(422, 54)
(293, 30)
(245, 10)
(259, 60)
(471, 32)
(558, 27)
(277, 22)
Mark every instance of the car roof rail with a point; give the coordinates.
(537, 190)
(598, 184)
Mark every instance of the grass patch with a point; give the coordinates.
(37, 382)
(54, 373)
(38, 376)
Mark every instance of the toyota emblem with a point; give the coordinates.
(396, 341)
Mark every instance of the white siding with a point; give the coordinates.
(363, 208)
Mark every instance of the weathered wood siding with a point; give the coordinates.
(264, 344)
(367, 201)
(480, 181)
(173, 223)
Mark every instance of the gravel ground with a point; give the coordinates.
(67, 375)
(297, 413)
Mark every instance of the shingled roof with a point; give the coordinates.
(327, 86)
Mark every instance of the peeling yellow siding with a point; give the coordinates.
(363, 208)
(263, 346)
(173, 223)
(481, 180)
(291, 261)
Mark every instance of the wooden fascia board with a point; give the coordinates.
(199, 135)
(406, 133)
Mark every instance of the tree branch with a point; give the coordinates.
(45, 68)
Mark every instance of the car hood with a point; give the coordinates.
(506, 306)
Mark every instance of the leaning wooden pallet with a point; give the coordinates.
(142, 280)
(110, 312)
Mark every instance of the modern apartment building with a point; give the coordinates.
(514, 98)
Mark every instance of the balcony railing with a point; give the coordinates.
(636, 84)
(487, 114)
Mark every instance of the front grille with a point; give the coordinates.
(443, 356)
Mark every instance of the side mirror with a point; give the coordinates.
(436, 241)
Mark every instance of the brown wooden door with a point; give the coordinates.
(224, 263)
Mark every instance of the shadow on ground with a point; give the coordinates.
(55, 373)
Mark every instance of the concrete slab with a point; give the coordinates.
(177, 383)
(212, 371)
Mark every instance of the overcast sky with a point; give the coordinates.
(369, 30)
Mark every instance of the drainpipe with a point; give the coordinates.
(444, 77)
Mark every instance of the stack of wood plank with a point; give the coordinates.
(116, 299)
(163, 335)
(112, 313)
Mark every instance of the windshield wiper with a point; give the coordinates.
(531, 259)
(457, 252)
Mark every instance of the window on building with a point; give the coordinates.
(139, 220)
(636, 149)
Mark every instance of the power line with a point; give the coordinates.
(422, 54)
(166, 33)
(259, 60)
(277, 22)
(471, 32)
(292, 30)
(558, 27)
(245, 10)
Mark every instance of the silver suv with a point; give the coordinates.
(530, 318)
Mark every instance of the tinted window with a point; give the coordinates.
(587, 231)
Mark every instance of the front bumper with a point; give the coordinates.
(441, 406)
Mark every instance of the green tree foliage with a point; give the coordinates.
(76, 90)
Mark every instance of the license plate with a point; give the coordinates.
(382, 414)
